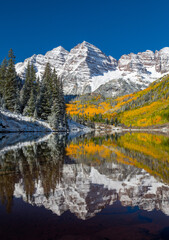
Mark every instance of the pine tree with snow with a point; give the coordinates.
(11, 84)
(35, 114)
(31, 105)
(32, 75)
(55, 87)
(26, 90)
(57, 118)
(38, 84)
(3, 69)
(47, 77)
(54, 118)
(62, 104)
(17, 107)
(47, 81)
(44, 105)
(29, 86)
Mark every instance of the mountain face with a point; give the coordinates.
(56, 58)
(84, 62)
(87, 69)
(80, 184)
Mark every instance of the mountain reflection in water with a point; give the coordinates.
(87, 174)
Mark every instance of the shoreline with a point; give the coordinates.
(164, 129)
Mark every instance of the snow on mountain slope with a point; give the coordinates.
(55, 57)
(86, 69)
(80, 184)
(162, 60)
(116, 83)
(84, 62)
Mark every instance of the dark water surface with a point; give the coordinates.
(92, 187)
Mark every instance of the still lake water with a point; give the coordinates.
(91, 187)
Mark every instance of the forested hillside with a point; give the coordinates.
(38, 99)
(141, 109)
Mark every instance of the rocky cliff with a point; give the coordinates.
(87, 69)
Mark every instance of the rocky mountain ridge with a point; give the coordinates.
(55, 57)
(86, 69)
(80, 184)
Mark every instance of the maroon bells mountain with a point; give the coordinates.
(86, 69)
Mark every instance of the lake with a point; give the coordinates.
(89, 187)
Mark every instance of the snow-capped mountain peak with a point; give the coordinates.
(164, 50)
(87, 69)
(54, 53)
(56, 57)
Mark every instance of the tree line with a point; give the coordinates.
(31, 97)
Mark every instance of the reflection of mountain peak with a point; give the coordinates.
(85, 191)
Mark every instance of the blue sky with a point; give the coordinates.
(116, 27)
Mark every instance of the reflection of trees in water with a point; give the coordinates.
(41, 161)
(7, 187)
(148, 151)
(142, 150)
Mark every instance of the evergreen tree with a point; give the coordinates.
(17, 107)
(31, 105)
(55, 87)
(48, 81)
(57, 119)
(38, 84)
(11, 84)
(44, 103)
(43, 99)
(28, 87)
(35, 114)
(47, 73)
(62, 104)
(25, 92)
(3, 70)
(54, 118)
(32, 75)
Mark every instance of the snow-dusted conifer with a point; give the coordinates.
(45, 100)
(17, 107)
(43, 105)
(31, 105)
(3, 69)
(11, 84)
(35, 114)
(62, 104)
(29, 85)
(57, 118)
(25, 91)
